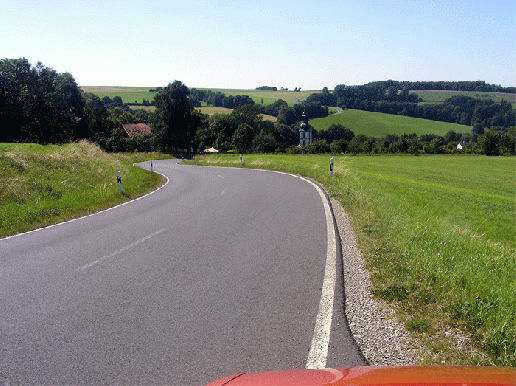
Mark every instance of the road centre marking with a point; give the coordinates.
(121, 250)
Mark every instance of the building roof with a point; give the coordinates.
(133, 129)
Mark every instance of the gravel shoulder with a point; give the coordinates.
(383, 340)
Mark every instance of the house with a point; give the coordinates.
(459, 146)
(133, 129)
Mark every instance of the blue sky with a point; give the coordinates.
(245, 44)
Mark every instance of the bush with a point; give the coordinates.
(339, 146)
(264, 143)
(318, 147)
(293, 150)
(490, 143)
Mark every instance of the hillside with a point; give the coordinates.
(379, 124)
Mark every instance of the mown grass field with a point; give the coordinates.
(438, 236)
(138, 94)
(379, 124)
(42, 185)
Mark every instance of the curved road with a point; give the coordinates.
(218, 272)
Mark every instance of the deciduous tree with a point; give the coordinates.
(175, 121)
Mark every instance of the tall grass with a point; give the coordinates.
(438, 236)
(42, 185)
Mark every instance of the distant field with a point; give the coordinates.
(268, 97)
(214, 110)
(222, 110)
(146, 108)
(128, 94)
(379, 124)
(138, 94)
(438, 96)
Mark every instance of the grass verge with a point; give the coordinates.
(438, 236)
(42, 185)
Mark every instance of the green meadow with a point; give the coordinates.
(379, 124)
(42, 185)
(438, 237)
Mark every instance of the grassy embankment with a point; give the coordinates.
(438, 236)
(43, 185)
(379, 124)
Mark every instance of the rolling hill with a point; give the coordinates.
(379, 124)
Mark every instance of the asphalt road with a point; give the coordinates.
(218, 272)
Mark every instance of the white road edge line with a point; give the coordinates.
(318, 353)
(119, 251)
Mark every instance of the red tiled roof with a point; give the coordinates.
(133, 129)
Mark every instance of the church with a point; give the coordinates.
(305, 133)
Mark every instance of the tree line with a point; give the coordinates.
(478, 85)
(490, 143)
(218, 99)
(37, 104)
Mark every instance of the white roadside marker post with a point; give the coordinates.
(331, 167)
(152, 171)
(119, 181)
(241, 163)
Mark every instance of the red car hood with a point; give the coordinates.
(391, 376)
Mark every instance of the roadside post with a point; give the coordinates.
(152, 171)
(119, 182)
(331, 167)
(241, 162)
